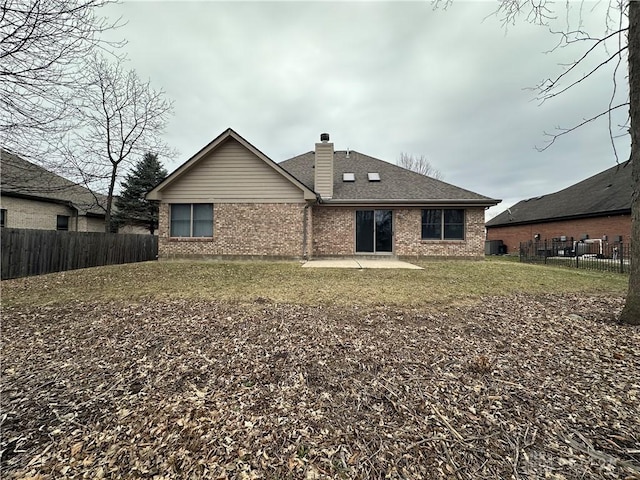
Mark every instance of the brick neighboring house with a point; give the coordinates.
(596, 208)
(231, 200)
(33, 197)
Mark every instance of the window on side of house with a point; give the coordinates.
(62, 223)
(443, 224)
(3, 217)
(192, 220)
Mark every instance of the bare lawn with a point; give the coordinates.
(464, 370)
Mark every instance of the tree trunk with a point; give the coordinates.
(112, 187)
(631, 312)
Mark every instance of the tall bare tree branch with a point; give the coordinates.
(43, 47)
(123, 118)
(622, 20)
(564, 131)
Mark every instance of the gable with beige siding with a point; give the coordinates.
(231, 174)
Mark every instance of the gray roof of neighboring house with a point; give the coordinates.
(19, 177)
(605, 193)
(396, 183)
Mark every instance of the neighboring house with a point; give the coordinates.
(33, 197)
(596, 208)
(135, 229)
(230, 199)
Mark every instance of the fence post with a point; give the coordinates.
(521, 253)
(576, 253)
(621, 254)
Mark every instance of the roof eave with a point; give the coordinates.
(39, 198)
(413, 202)
(608, 213)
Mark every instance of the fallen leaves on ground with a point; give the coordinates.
(515, 387)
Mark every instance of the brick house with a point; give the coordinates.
(596, 208)
(33, 197)
(231, 200)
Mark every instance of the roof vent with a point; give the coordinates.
(324, 137)
(373, 176)
(348, 177)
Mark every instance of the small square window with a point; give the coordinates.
(3, 217)
(62, 223)
(373, 176)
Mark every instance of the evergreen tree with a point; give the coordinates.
(132, 208)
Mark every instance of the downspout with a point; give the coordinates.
(73, 209)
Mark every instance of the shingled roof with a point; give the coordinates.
(606, 193)
(21, 178)
(396, 184)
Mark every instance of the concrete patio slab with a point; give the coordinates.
(358, 263)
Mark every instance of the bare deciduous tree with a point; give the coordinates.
(122, 119)
(618, 44)
(44, 44)
(631, 312)
(419, 164)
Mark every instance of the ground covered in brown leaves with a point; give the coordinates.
(514, 387)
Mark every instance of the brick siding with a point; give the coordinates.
(333, 231)
(90, 224)
(308, 253)
(334, 234)
(598, 227)
(241, 230)
(34, 214)
(409, 241)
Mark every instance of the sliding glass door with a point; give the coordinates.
(374, 231)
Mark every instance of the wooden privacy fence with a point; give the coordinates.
(35, 252)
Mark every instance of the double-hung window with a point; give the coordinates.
(192, 220)
(443, 224)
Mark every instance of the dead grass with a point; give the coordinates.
(469, 370)
(517, 386)
(441, 283)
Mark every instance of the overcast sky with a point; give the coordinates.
(381, 78)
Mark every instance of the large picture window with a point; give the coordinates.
(192, 220)
(443, 224)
